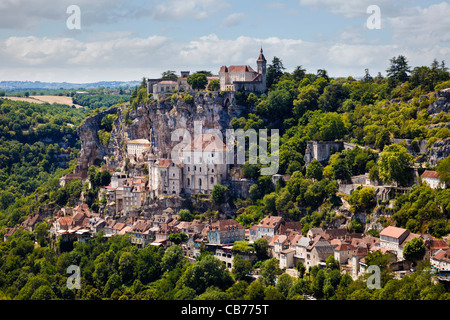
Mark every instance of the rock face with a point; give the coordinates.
(92, 151)
(441, 104)
(155, 121)
(438, 151)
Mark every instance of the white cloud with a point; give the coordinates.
(173, 10)
(232, 20)
(355, 8)
(423, 26)
(26, 14)
(131, 58)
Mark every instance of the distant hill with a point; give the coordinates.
(36, 85)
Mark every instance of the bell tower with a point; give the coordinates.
(261, 64)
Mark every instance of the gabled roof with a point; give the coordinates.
(270, 222)
(245, 68)
(430, 174)
(393, 232)
(442, 255)
(164, 163)
(225, 225)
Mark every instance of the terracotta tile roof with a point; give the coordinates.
(270, 222)
(164, 163)
(344, 247)
(436, 244)
(223, 225)
(9, 231)
(245, 68)
(207, 142)
(393, 232)
(442, 255)
(409, 237)
(430, 174)
(65, 221)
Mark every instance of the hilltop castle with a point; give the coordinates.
(232, 78)
(236, 78)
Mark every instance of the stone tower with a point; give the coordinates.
(261, 63)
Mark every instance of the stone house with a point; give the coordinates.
(343, 252)
(268, 227)
(225, 232)
(138, 147)
(432, 178)
(441, 260)
(392, 238)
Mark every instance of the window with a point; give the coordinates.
(188, 181)
(212, 180)
(200, 182)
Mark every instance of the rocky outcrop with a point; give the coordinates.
(155, 121)
(438, 151)
(441, 104)
(92, 151)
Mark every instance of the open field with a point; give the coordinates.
(49, 99)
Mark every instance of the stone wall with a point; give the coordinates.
(321, 150)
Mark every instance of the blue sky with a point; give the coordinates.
(130, 39)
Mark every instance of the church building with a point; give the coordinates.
(236, 78)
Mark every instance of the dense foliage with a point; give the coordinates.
(37, 143)
(115, 269)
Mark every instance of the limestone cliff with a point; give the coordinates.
(92, 151)
(441, 104)
(155, 121)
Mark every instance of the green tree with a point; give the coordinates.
(394, 164)
(443, 168)
(261, 246)
(241, 267)
(173, 258)
(284, 284)
(207, 272)
(398, 69)
(197, 81)
(255, 291)
(414, 250)
(185, 215)
(214, 85)
(178, 238)
(169, 75)
(218, 194)
(269, 271)
(314, 170)
(274, 71)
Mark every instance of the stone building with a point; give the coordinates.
(321, 150)
(138, 147)
(225, 232)
(235, 78)
(200, 167)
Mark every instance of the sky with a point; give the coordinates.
(125, 40)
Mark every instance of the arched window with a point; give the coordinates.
(212, 180)
(188, 181)
(200, 182)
